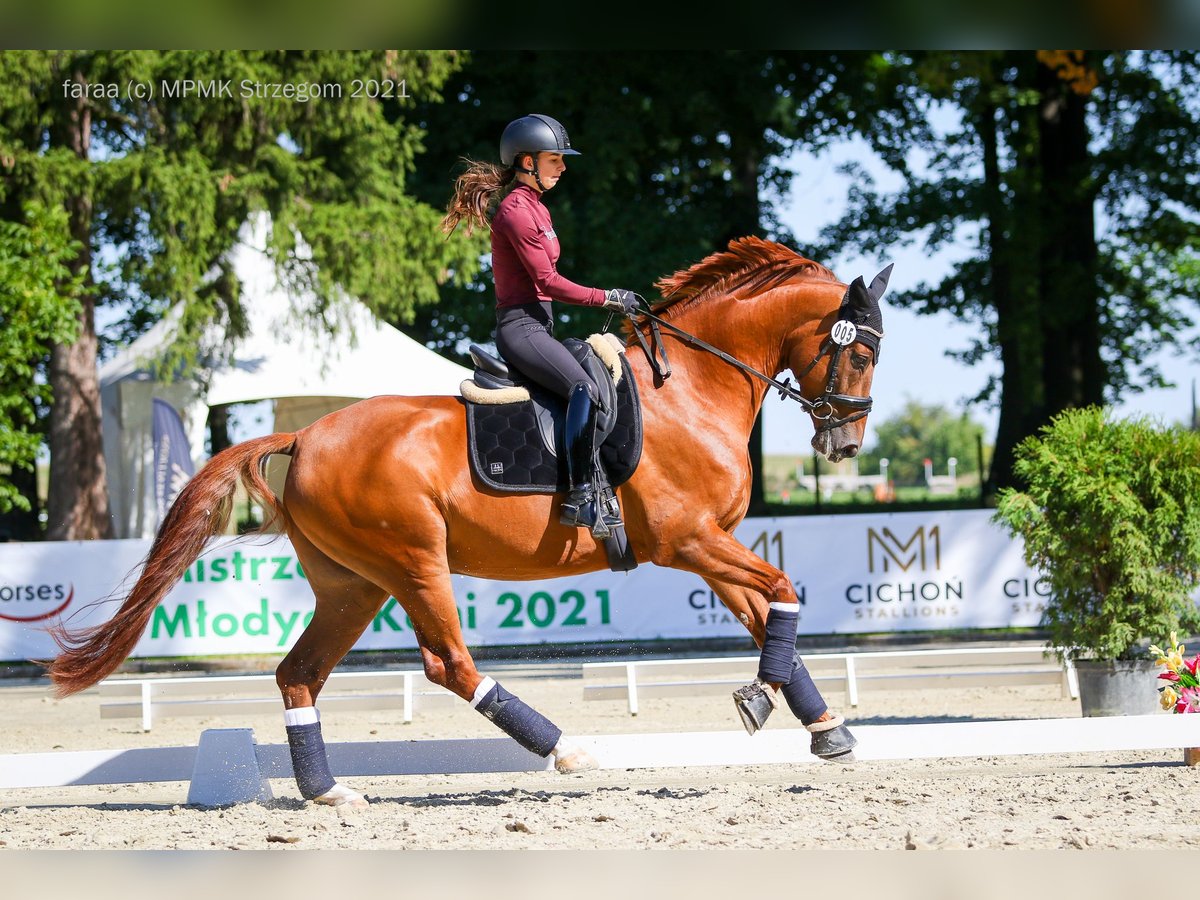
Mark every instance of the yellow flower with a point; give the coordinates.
(1168, 698)
(1171, 660)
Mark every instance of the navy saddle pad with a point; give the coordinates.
(515, 447)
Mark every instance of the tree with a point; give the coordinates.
(33, 315)
(679, 151)
(157, 178)
(919, 432)
(1110, 514)
(1072, 174)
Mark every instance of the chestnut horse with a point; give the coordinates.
(379, 501)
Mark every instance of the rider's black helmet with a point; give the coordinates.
(534, 134)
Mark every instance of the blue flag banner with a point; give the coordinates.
(172, 456)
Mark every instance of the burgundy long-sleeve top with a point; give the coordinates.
(525, 255)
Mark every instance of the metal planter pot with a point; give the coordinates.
(1120, 687)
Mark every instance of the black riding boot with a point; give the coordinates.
(582, 508)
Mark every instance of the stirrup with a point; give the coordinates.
(610, 509)
(581, 509)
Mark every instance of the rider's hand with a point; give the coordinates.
(621, 300)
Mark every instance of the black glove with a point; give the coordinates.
(622, 301)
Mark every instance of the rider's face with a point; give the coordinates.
(550, 167)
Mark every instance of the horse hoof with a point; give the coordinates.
(343, 797)
(847, 757)
(754, 704)
(575, 761)
(832, 740)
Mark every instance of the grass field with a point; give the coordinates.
(781, 487)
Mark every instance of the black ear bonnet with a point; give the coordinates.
(860, 307)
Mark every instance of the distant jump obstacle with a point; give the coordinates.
(228, 766)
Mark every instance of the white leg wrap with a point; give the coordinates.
(480, 692)
(301, 715)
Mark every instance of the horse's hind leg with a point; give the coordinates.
(346, 603)
(831, 739)
(429, 602)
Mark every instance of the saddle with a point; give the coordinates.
(515, 427)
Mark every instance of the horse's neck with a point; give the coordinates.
(752, 332)
(755, 331)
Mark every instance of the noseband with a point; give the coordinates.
(842, 335)
(822, 407)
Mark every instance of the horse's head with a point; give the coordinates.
(847, 340)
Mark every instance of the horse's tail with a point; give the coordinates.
(201, 511)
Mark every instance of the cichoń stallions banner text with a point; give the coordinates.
(853, 574)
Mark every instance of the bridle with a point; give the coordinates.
(842, 335)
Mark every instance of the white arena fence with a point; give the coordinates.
(230, 696)
(233, 695)
(872, 670)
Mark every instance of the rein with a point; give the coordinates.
(821, 408)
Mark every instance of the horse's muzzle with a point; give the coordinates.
(836, 444)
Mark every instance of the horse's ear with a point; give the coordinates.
(879, 283)
(857, 296)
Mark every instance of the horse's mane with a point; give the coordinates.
(750, 264)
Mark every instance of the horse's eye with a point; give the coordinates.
(859, 361)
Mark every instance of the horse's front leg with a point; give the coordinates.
(831, 739)
(765, 600)
(717, 556)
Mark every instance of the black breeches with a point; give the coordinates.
(525, 337)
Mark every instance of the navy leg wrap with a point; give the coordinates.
(309, 761)
(518, 720)
(802, 696)
(776, 660)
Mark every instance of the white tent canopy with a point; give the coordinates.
(306, 373)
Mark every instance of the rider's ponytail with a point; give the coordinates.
(475, 190)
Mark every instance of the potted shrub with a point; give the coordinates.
(1111, 516)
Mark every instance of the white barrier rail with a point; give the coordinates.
(228, 767)
(209, 695)
(882, 669)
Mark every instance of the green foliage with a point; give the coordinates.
(679, 152)
(1018, 154)
(168, 181)
(158, 179)
(1111, 514)
(34, 313)
(919, 432)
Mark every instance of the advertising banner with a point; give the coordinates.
(853, 574)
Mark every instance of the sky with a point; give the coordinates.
(912, 362)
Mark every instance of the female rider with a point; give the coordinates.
(525, 254)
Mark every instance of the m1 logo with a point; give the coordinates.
(923, 546)
(34, 602)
